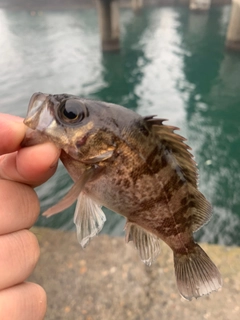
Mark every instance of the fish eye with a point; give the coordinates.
(71, 111)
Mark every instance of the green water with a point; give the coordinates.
(173, 63)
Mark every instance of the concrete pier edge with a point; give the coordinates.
(107, 281)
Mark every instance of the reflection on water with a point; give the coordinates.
(172, 64)
(213, 120)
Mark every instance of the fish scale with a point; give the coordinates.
(136, 166)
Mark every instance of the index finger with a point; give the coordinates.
(31, 165)
(12, 131)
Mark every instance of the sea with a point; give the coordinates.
(172, 63)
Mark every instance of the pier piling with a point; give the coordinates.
(233, 33)
(137, 5)
(108, 13)
(199, 5)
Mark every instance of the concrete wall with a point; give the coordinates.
(108, 281)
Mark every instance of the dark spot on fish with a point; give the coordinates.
(172, 230)
(144, 130)
(156, 166)
(164, 161)
(172, 186)
(124, 159)
(167, 222)
(178, 223)
(152, 155)
(115, 122)
(139, 171)
(81, 142)
(120, 172)
(184, 201)
(114, 180)
(118, 182)
(179, 214)
(126, 183)
(191, 204)
(163, 141)
(146, 205)
(167, 228)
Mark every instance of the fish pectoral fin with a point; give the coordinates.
(88, 218)
(100, 157)
(196, 274)
(72, 194)
(147, 244)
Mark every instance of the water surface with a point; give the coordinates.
(172, 63)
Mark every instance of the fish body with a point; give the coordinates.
(135, 166)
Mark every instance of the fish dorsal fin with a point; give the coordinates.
(175, 143)
(147, 244)
(201, 212)
(200, 208)
(88, 218)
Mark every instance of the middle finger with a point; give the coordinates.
(19, 206)
(19, 253)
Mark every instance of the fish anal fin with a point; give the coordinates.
(88, 218)
(196, 274)
(147, 244)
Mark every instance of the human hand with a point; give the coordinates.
(20, 171)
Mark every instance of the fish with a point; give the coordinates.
(137, 167)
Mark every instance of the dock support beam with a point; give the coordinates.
(108, 14)
(233, 33)
(199, 5)
(137, 5)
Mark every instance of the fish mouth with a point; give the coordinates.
(39, 116)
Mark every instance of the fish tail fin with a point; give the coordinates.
(196, 274)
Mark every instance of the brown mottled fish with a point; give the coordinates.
(135, 166)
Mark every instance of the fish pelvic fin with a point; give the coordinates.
(147, 244)
(196, 274)
(88, 218)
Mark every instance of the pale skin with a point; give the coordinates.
(20, 171)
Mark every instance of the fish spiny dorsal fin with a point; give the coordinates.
(147, 244)
(175, 143)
